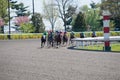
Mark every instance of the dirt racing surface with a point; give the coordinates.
(25, 60)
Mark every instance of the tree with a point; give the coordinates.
(1, 22)
(63, 7)
(50, 13)
(3, 14)
(21, 10)
(95, 15)
(92, 17)
(27, 28)
(21, 20)
(1, 26)
(84, 8)
(79, 24)
(70, 16)
(3, 9)
(38, 22)
(114, 7)
(93, 6)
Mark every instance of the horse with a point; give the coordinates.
(50, 39)
(43, 41)
(58, 39)
(65, 38)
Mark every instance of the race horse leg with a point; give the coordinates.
(43, 44)
(65, 40)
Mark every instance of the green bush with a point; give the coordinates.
(1, 36)
(38, 35)
(117, 33)
(21, 36)
(27, 28)
(99, 33)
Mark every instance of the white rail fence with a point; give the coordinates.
(91, 41)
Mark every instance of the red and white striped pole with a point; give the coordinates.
(106, 21)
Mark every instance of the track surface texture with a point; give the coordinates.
(25, 60)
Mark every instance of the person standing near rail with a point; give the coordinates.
(82, 35)
(93, 34)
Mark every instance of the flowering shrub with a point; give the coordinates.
(21, 19)
(1, 22)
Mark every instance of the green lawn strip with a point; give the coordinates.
(114, 47)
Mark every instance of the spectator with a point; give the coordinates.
(93, 34)
(72, 35)
(82, 35)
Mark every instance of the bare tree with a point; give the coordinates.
(63, 7)
(51, 14)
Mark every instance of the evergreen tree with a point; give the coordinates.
(21, 10)
(38, 23)
(69, 15)
(79, 24)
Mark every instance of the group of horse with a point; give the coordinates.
(55, 40)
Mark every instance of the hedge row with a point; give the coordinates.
(99, 34)
(37, 36)
(20, 36)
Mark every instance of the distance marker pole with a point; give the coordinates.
(106, 26)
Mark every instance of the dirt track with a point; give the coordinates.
(25, 60)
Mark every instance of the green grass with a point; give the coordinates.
(114, 47)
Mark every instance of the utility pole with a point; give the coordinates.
(33, 7)
(9, 37)
(34, 22)
(52, 16)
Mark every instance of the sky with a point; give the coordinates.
(38, 6)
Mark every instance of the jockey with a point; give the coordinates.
(58, 38)
(43, 39)
(50, 38)
(56, 33)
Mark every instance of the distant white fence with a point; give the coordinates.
(85, 41)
